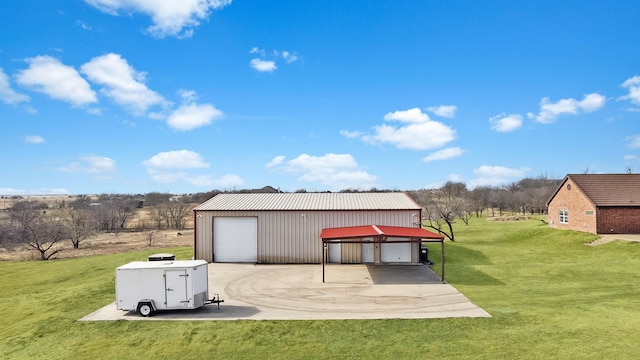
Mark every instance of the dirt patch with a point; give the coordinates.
(509, 218)
(107, 243)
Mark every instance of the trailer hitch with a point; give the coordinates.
(215, 300)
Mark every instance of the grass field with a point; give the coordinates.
(550, 296)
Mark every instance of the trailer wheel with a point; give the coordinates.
(145, 309)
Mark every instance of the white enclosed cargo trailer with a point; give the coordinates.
(148, 286)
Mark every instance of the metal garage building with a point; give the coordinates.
(286, 227)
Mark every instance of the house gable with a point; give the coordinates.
(580, 211)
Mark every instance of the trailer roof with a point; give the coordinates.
(162, 264)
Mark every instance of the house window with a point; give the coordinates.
(564, 216)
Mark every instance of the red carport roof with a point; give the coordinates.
(378, 230)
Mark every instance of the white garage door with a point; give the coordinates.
(235, 239)
(400, 252)
(335, 253)
(367, 253)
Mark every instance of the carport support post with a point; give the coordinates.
(442, 260)
(324, 250)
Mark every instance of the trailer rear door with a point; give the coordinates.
(176, 288)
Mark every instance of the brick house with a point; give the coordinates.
(597, 203)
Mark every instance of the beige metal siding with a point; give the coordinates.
(294, 236)
(203, 236)
(351, 253)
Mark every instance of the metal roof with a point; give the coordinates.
(608, 189)
(378, 230)
(309, 201)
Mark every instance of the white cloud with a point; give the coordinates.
(634, 141)
(455, 178)
(496, 175)
(289, 57)
(83, 25)
(191, 116)
(177, 159)
(275, 161)
(451, 177)
(167, 177)
(7, 94)
(226, 181)
(499, 171)
(56, 80)
(337, 171)
(506, 123)
(420, 133)
(187, 95)
(414, 115)
(444, 154)
(351, 134)
(448, 111)
(592, 102)
(170, 17)
(633, 84)
(173, 166)
(257, 50)
(263, 65)
(123, 84)
(550, 111)
(630, 158)
(43, 191)
(90, 164)
(34, 139)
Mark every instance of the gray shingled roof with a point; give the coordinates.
(609, 189)
(310, 201)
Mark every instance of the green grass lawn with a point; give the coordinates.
(550, 297)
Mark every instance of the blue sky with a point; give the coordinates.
(135, 96)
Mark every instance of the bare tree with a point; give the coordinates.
(104, 216)
(40, 232)
(442, 207)
(113, 211)
(158, 215)
(124, 210)
(531, 194)
(81, 225)
(156, 198)
(177, 212)
(499, 199)
(480, 199)
(43, 236)
(466, 213)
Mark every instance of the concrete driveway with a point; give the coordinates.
(296, 292)
(607, 238)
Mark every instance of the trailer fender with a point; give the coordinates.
(146, 307)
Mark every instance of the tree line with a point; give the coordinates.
(43, 227)
(454, 201)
